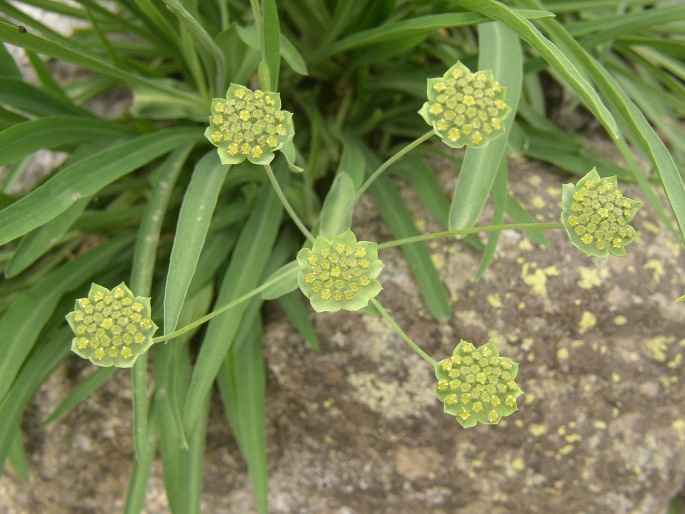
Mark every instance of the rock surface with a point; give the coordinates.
(356, 428)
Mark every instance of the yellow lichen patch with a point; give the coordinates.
(537, 280)
(562, 354)
(526, 245)
(565, 450)
(537, 430)
(552, 271)
(657, 268)
(438, 261)
(656, 347)
(599, 424)
(534, 180)
(592, 277)
(667, 382)
(573, 438)
(620, 320)
(518, 464)
(538, 202)
(587, 321)
(679, 425)
(676, 361)
(615, 377)
(495, 300)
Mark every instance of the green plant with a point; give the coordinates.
(195, 223)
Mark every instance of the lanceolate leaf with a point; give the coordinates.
(86, 178)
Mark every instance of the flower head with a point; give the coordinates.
(340, 273)
(112, 328)
(596, 215)
(477, 385)
(249, 125)
(465, 108)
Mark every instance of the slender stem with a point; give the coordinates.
(401, 332)
(216, 312)
(286, 204)
(472, 230)
(391, 161)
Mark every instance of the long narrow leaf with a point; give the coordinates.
(271, 43)
(198, 206)
(242, 384)
(552, 54)
(404, 28)
(244, 272)
(299, 315)
(85, 178)
(144, 257)
(38, 368)
(640, 129)
(500, 50)
(36, 243)
(51, 132)
(172, 375)
(92, 383)
(18, 459)
(418, 257)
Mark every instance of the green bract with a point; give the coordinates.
(249, 125)
(112, 327)
(465, 108)
(339, 274)
(477, 385)
(596, 215)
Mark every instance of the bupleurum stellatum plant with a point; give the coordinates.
(339, 273)
(111, 328)
(248, 125)
(191, 220)
(596, 215)
(477, 385)
(466, 108)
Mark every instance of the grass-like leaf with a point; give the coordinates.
(244, 272)
(172, 376)
(85, 178)
(551, 53)
(638, 126)
(18, 458)
(52, 132)
(418, 257)
(81, 392)
(405, 28)
(299, 315)
(336, 213)
(500, 50)
(242, 383)
(499, 197)
(36, 243)
(198, 206)
(43, 361)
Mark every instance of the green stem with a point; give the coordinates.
(215, 313)
(472, 230)
(286, 203)
(391, 161)
(402, 333)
